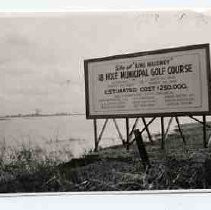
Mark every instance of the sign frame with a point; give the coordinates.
(145, 53)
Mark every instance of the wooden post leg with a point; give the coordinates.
(119, 133)
(168, 127)
(147, 130)
(95, 135)
(141, 148)
(180, 131)
(101, 133)
(127, 133)
(204, 132)
(162, 133)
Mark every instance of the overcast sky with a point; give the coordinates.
(41, 55)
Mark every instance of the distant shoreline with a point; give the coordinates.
(39, 115)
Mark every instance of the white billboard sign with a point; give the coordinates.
(155, 83)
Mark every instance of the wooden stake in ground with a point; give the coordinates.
(141, 148)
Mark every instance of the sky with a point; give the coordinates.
(41, 54)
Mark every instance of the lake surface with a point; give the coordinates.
(65, 136)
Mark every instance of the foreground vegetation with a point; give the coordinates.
(113, 169)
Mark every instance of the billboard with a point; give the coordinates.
(165, 82)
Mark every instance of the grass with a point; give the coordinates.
(111, 169)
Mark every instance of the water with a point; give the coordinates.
(65, 136)
(56, 136)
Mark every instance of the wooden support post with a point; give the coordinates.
(168, 127)
(150, 122)
(103, 128)
(208, 126)
(127, 134)
(180, 130)
(134, 126)
(95, 135)
(204, 132)
(195, 119)
(141, 148)
(162, 133)
(119, 133)
(147, 130)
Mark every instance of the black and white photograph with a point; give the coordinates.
(105, 101)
